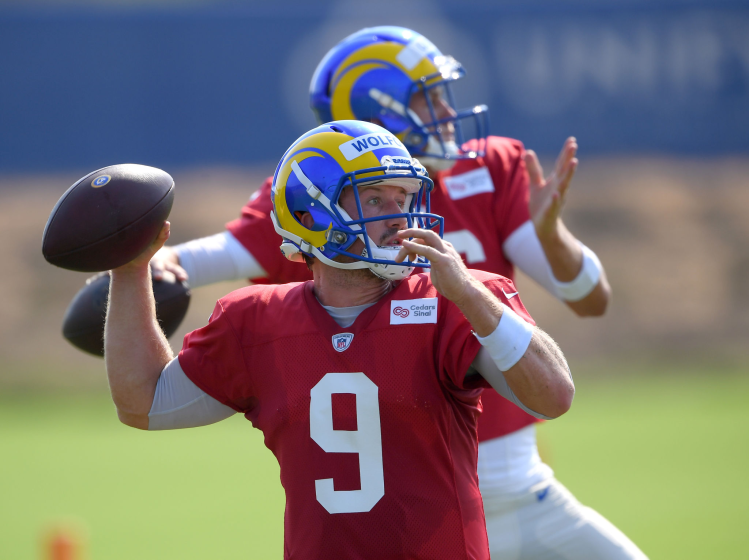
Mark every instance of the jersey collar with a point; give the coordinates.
(327, 324)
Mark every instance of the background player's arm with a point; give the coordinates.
(540, 377)
(135, 348)
(216, 258)
(573, 266)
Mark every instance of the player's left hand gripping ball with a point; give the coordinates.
(108, 217)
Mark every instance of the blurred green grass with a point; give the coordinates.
(662, 453)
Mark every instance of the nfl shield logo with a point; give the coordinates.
(342, 341)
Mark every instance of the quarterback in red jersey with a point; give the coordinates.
(499, 213)
(369, 397)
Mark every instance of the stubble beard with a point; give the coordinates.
(363, 278)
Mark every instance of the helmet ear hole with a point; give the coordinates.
(305, 218)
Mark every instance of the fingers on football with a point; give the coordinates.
(158, 243)
(162, 237)
(535, 171)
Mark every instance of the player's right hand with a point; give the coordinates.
(448, 272)
(547, 196)
(167, 260)
(143, 260)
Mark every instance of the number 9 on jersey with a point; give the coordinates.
(366, 441)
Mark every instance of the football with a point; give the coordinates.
(108, 217)
(83, 325)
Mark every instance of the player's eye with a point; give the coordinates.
(373, 201)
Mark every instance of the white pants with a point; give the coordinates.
(548, 523)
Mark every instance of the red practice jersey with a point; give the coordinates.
(374, 426)
(482, 200)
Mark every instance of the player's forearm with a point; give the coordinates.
(528, 362)
(563, 252)
(596, 302)
(541, 378)
(480, 307)
(567, 258)
(135, 348)
(217, 258)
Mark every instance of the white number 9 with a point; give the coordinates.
(366, 441)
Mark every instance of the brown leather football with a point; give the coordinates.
(108, 217)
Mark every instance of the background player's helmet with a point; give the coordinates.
(311, 177)
(373, 74)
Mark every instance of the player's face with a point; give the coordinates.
(442, 110)
(377, 200)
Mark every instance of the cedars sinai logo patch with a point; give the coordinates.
(413, 311)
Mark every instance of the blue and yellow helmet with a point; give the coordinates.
(311, 177)
(373, 74)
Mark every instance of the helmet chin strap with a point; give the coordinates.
(387, 271)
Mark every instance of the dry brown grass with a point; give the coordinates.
(673, 235)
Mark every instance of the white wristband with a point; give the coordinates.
(585, 281)
(509, 341)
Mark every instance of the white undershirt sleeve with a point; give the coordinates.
(179, 403)
(524, 250)
(217, 258)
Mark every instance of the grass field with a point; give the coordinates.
(663, 456)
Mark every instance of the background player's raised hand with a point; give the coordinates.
(547, 195)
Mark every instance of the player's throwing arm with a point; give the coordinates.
(540, 378)
(136, 349)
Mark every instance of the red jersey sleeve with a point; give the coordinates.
(212, 358)
(504, 158)
(254, 230)
(504, 289)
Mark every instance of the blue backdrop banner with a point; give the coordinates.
(227, 83)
